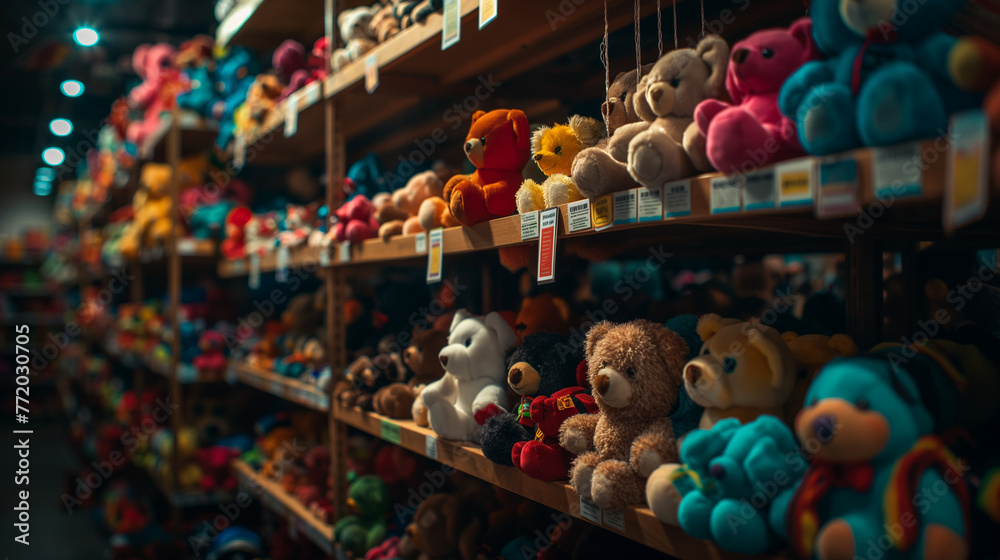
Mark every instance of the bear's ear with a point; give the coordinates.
(710, 324)
(588, 131)
(771, 349)
(843, 345)
(640, 105)
(505, 335)
(477, 115)
(460, 316)
(801, 31)
(522, 130)
(714, 51)
(536, 138)
(595, 334)
(789, 336)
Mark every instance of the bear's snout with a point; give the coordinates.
(692, 373)
(474, 150)
(601, 383)
(537, 157)
(515, 376)
(824, 426)
(656, 93)
(740, 56)
(407, 354)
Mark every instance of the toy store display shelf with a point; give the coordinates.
(304, 258)
(287, 388)
(264, 24)
(274, 497)
(291, 134)
(637, 523)
(187, 247)
(197, 135)
(189, 498)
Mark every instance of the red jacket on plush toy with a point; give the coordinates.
(753, 132)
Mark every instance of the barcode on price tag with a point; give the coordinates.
(431, 447)
(435, 256)
(421, 243)
(529, 225)
(547, 245)
(579, 215)
(590, 511)
(650, 204)
(625, 212)
(253, 281)
(677, 199)
(371, 72)
(896, 171)
(281, 267)
(725, 195)
(758, 190)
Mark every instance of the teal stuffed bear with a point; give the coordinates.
(368, 496)
(891, 75)
(731, 475)
(880, 482)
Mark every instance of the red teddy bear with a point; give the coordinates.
(753, 132)
(543, 457)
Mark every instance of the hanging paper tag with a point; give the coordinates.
(896, 171)
(837, 192)
(650, 204)
(186, 246)
(625, 207)
(487, 12)
(253, 281)
(390, 432)
(614, 519)
(324, 256)
(421, 243)
(758, 190)
(239, 151)
(281, 266)
(677, 199)
(431, 447)
(590, 511)
(344, 252)
(238, 267)
(435, 256)
(547, 245)
(725, 195)
(371, 72)
(451, 23)
(965, 195)
(292, 114)
(795, 182)
(529, 225)
(579, 215)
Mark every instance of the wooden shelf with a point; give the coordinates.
(272, 144)
(186, 247)
(197, 135)
(640, 523)
(292, 390)
(264, 24)
(189, 498)
(299, 257)
(274, 497)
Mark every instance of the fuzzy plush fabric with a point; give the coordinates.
(553, 150)
(421, 358)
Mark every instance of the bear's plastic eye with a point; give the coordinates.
(483, 141)
(729, 364)
(766, 53)
(623, 97)
(675, 83)
(862, 404)
(630, 373)
(420, 350)
(468, 342)
(558, 150)
(704, 351)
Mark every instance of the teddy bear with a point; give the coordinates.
(259, 233)
(421, 358)
(356, 34)
(214, 462)
(262, 97)
(871, 423)
(366, 376)
(891, 75)
(151, 223)
(292, 67)
(234, 244)
(385, 20)
(355, 221)
(548, 372)
(196, 62)
(365, 529)
(498, 145)
(752, 131)
(398, 213)
(811, 352)
(234, 75)
(672, 147)
(620, 108)
(296, 225)
(471, 389)
(420, 11)
(635, 371)
(553, 150)
(546, 312)
(161, 82)
(211, 362)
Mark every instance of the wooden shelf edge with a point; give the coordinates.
(230, 27)
(640, 523)
(299, 258)
(286, 388)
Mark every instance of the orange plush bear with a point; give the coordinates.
(498, 144)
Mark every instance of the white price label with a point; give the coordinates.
(529, 225)
(615, 519)
(677, 199)
(579, 215)
(254, 279)
(725, 195)
(795, 182)
(650, 204)
(590, 511)
(625, 212)
(371, 72)
(759, 191)
(421, 242)
(186, 246)
(324, 256)
(431, 447)
(281, 266)
(344, 252)
(451, 23)
(435, 256)
(548, 233)
(896, 171)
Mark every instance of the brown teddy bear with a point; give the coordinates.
(445, 526)
(620, 108)
(811, 353)
(421, 357)
(635, 370)
(384, 23)
(397, 213)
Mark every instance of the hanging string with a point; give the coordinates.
(638, 51)
(659, 31)
(604, 61)
(674, 2)
(702, 2)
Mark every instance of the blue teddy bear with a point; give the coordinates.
(880, 483)
(891, 76)
(235, 73)
(732, 474)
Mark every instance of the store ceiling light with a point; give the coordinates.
(45, 174)
(61, 127)
(71, 88)
(53, 156)
(86, 36)
(43, 188)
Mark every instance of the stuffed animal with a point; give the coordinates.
(399, 213)
(161, 82)
(471, 390)
(196, 62)
(444, 526)
(354, 31)
(891, 76)
(292, 67)
(620, 107)
(672, 147)
(366, 376)
(234, 245)
(368, 496)
(216, 474)
(553, 150)
(211, 363)
(871, 423)
(811, 352)
(206, 221)
(421, 358)
(498, 144)
(752, 132)
(296, 226)
(234, 73)
(420, 11)
(355, 221)
(385, 22)
(545, 312)
(635, 370)
(262, 96)
(152, 220)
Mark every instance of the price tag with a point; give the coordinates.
(253, 281)
(324, 256)
(186, 246)
(274, 388)
(615, 519)
(896, 171)
(344, 252)
(625, 211)
(965, 191)
(239, 151)
(390, 432)
(435, 256)
(758, 190)
(602, 212)
(431, 447)
(725, 194)
(420, 240)
(292, 114)
(281, 266)
(837, 193)
(487, 12)
(650, 204)
(529, 225)
(310, 93)
(547, 245)
(677, 199)
(371, 72)
(451, 24)
(590, 511)
(579, 215)
(795, 182)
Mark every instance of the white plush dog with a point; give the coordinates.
(472, 387)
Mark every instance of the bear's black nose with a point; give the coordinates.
(537, 157)
(515, 376)
(692, 373)
(824, 427)
(468, 146)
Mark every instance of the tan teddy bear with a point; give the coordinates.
(812, 352)
(398, 212)
(635, 370)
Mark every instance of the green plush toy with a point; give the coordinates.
(368, 496)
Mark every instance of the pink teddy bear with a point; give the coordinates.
(752, 132)
(161, 82)
(356, 220)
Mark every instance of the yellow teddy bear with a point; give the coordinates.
(153, 210)
(553, 149)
